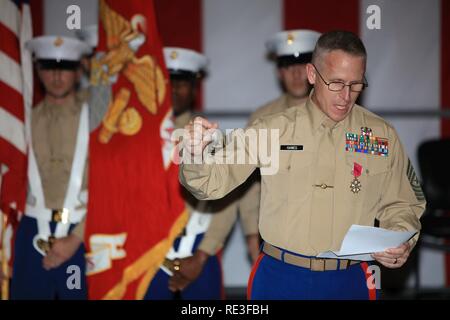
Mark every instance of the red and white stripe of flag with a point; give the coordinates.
(15, 106)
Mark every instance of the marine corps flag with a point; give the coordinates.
(135, 209)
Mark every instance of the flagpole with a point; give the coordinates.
(5, 267)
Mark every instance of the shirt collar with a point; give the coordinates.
(318, 118)
(290, 101)
(57, 110)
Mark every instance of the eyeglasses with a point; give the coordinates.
(339, 85)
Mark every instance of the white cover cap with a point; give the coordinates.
(293, 42)
(58, 48)
(184, 59)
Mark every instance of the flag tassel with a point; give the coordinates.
(4, 260)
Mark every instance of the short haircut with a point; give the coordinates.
(339, 40)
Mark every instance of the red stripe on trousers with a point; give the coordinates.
(322, 16)
(9, 43)
(372, 292)
(252, 275)
(219, 255)
(180, 25)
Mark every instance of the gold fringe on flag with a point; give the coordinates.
(148, 264)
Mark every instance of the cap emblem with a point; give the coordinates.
(58, 42)
(173, 55)
(290, 38)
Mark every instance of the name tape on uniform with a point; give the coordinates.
(292, 147)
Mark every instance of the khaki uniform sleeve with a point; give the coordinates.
(221, 224)
(79, 229)
(249, 205)
(255, 115)
(214, 179)
(402, 203)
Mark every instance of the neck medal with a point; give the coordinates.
(355, 185)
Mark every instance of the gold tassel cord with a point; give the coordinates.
(4, 260)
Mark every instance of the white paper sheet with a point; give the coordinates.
(361, 241)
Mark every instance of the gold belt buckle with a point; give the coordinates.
(45, 245)
(168, 264)
(60, 215)
(172, 265)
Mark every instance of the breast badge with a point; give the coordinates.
(366, 142)
(355, 185)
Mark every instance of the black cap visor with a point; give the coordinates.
(51, 64)
(180, 74)
(288, 60)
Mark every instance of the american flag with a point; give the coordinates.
(15, 106)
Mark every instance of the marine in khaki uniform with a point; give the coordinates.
(339, 165)
(48, 240)
(192, 268)
(292, 50)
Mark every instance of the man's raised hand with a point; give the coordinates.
(198, 134)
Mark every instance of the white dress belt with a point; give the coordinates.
(67, 214)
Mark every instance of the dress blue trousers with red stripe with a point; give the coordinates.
(31, 281)
(208, 286)
(273, 279)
